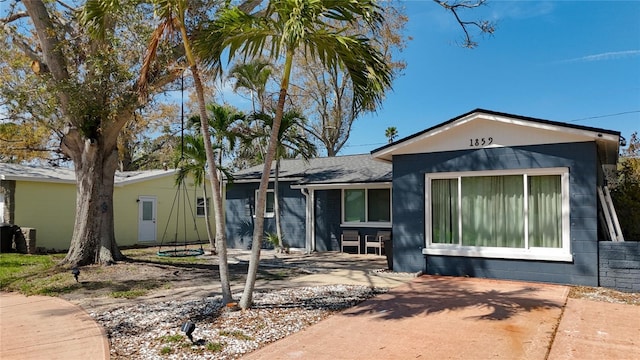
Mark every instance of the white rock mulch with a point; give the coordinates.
(152, 331)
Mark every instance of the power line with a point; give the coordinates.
(359, 145)
(604, 116)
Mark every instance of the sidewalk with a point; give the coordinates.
(42, 327)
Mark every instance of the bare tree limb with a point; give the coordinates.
(484, 26)
(67, 6)
(13, 17)
(20, 42)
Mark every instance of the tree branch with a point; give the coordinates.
(484, 26)
(13, 17)
(20, 42)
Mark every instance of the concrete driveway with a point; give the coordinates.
(467, 318)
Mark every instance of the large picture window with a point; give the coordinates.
(499, 214)
(367, 205)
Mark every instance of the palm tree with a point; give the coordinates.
(173, 14)
(292, 142)
(391, 133)
(252, 77)
(278, 32)
(225, 123)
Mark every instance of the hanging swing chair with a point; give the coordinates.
(181, 202)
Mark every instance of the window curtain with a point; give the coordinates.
(354, 205)
(493, 211)
(545, 211)
(444, 211)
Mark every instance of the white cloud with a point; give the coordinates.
(612, 55)
(521, 9)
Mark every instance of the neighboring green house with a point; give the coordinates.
(146, 206)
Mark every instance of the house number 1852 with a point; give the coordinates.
(480, 142)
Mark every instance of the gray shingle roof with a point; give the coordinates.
(67, 175)
(325, 170)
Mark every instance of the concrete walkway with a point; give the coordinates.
(42, 327)
(594, 330)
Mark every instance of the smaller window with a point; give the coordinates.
(270, 207)
(366, 205)
(200, 204)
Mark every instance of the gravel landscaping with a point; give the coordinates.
(152, 331)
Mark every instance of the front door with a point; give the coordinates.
(147, 218)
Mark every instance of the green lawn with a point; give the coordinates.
(41, 275)
(21, 272)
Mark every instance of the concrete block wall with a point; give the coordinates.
(619, 265)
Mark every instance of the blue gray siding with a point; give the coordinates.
(409, 212)
(620, 265)
(328, 214)
(240, 208)
(328, 210)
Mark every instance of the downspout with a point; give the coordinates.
(310, 241)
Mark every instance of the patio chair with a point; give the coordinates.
(376, 242)
(350, 238)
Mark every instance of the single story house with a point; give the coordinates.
(146, 206)
(485, 194)
(313, 213)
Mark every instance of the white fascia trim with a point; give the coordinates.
(499, 253)
(550, 127)
(271, 179)
(338, 186)
(142, 178)
(32, 179)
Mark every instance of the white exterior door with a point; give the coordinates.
(147, 218)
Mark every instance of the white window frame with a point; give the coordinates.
(206, 203)
(269, 214)
(367, 223)
(1, 208)
(526, 253)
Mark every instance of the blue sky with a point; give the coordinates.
(569, 61)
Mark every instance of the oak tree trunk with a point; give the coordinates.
(93, 239)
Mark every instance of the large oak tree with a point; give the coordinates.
(87, 93)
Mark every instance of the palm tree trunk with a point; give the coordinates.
(207, 221)
(221, 238)
(258, 229)
(276, 206)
